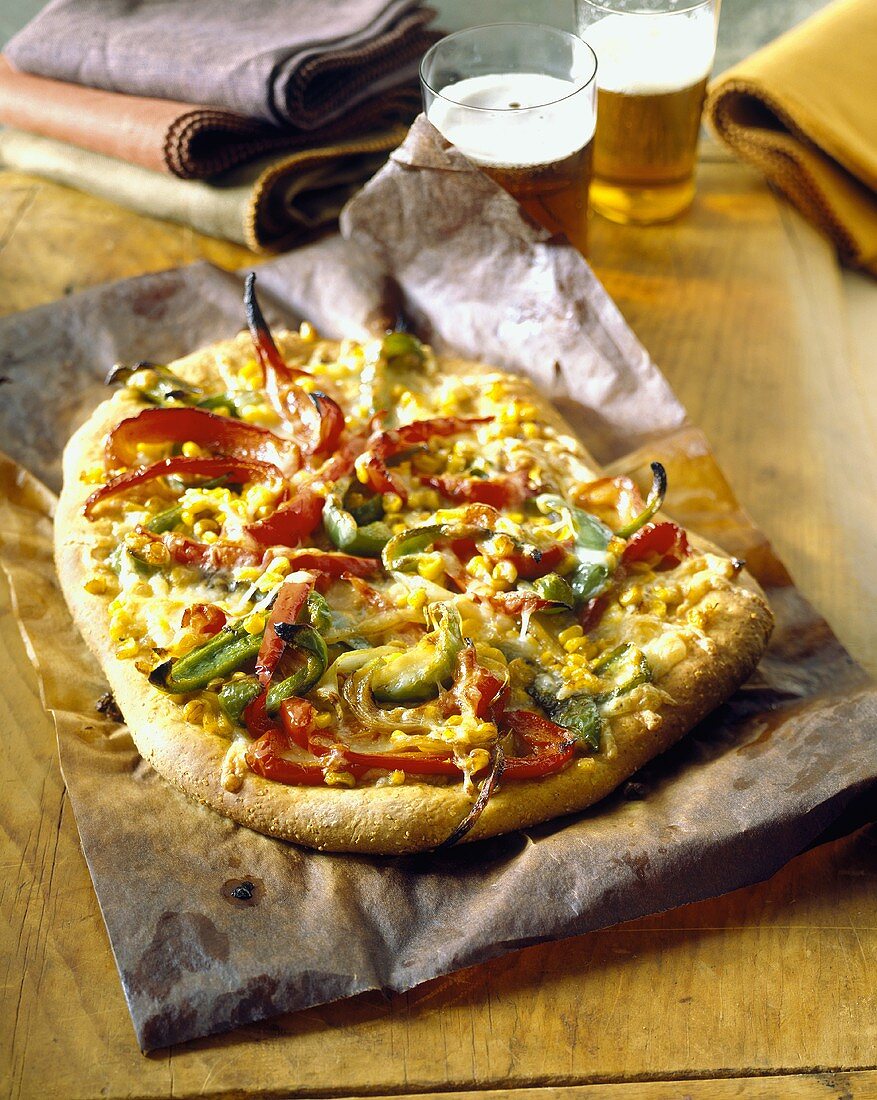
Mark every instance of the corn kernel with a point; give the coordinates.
(361, 472)
(478, 567)
(339, 779)
(416, 599)
(255, 623)
(398, 528)
(188, 517)
(209, 536)
(93, 475)
(515, 517)
(307, 332)
(191, 450)
(501, 546)
(204, 525)
(546, 656)
(631, 597)
(392, 502)
(97, 586)
(249, 573)
(127, 649)
(323, 721)
(669, 593)
(575, 644)
(431, 567)
(495, 391)
(574, 631)
(280, 566)
(454, 720)
(505, 572)
(530, 430)
(253, 414)
(251, 375)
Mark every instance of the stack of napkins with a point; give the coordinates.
(254, 122)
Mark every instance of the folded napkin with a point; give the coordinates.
(803, 111)
(286, 62)
(270, 205)
(191, 141)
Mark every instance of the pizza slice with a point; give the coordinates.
(367, 599)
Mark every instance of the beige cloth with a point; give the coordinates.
(804, 111)
(189, 140)
(270, 205)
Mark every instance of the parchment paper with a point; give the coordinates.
(756, 783)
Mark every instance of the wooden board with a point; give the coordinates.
(741, 306)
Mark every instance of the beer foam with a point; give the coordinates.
(652, 54)
(523, 119)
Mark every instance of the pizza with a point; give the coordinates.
(364, 598)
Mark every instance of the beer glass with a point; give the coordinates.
(518, 99)
(655, 58)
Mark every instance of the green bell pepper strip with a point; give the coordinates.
(236, 696)
(590, 532)
(655, 501)
(319, 612)
(419, 673)
(162, 387)
(315, 662)
(402, 351)
(579, 714)
(642, 673)
(141, 568)
(221, 656)
(402, 550)
(553, 587)
(344, 532)
(586, 580)
(366, 507)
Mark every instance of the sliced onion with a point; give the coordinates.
(488, 786)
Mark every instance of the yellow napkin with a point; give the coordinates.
(270, 205)
(804, 111)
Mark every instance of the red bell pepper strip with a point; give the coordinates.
(517, 603)
(290, 600)
(221, 434)
(416, 763)
(204, 618)
(372, 463)
(239, 469)
(532, 565)
(316, 418)
(298, 719)
(502, 491)
(333, 563)
(265, 759)
(592, 612)
(551, 746)
(290, 523)
(663, 545)
(476, 689)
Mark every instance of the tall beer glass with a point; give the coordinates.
(655, 58)
(519, 100)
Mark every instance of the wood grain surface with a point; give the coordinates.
(766, 992)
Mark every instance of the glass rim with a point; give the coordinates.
(610, 9)
(577, 41)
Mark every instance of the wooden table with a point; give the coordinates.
(767, 992)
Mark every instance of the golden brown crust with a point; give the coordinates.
(413, 816)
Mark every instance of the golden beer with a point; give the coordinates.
(529, 129)
(654, 59)
(645, 152)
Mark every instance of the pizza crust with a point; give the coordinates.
(413, 816)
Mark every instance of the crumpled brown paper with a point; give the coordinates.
(756, 783)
